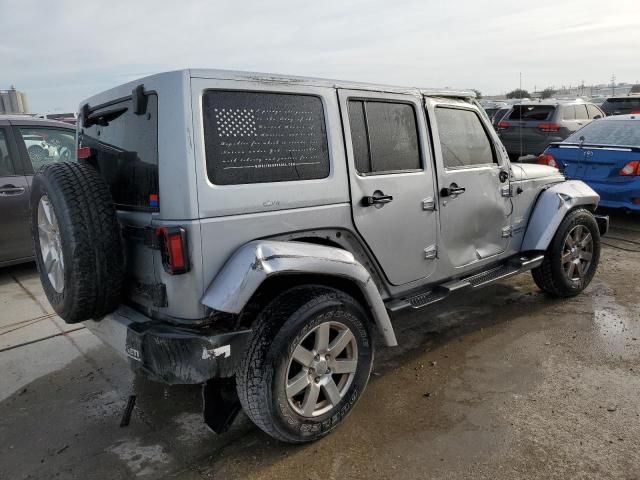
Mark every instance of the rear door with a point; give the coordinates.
(15, 234)
(472, 174)
(392, 183)
(124, 149)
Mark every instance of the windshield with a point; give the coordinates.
(609, 132)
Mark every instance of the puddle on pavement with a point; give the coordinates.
(617, 326)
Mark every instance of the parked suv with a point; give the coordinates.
(529, 127)
(253, 233)
(26, 145)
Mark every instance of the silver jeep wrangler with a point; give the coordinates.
(253, 233)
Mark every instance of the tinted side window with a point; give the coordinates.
(463, 139)
(581, 112)
(48, 145)
(253, 137)
(384, 136)
(6, 167)
(593, 111)
(568, 112)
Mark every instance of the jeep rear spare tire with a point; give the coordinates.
(77, 242)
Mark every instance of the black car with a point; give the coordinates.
(621, 105)
(26, 145)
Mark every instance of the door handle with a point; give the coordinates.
(9, 190)
(451, 190)
(379, 200)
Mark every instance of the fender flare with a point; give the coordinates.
(550, 209)
(258, 260)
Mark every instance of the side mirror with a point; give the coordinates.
(597, 117)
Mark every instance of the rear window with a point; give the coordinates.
(609, 132)
(125, 151)
(622, 105)
(254, 137)
(532, 112)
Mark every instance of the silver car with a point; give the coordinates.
(255, 233)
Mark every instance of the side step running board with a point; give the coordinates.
(511, 267)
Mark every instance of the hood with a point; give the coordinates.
(532, 171)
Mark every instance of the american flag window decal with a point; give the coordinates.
(235, 122)
(253, 137)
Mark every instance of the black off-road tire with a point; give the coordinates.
(549, 276)
(90, 240)
(278, 329)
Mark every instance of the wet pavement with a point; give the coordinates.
(501, 383)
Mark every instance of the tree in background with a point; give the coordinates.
(547, 93)
(635, 88)
(478, 93)
(518, 93)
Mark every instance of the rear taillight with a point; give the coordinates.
(174, 249)
(84, 153)
(631, 169)
(549, 127)
(503, 125)
(546, 159)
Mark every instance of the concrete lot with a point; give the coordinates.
(502, 383)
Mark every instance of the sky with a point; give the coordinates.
(60, 52)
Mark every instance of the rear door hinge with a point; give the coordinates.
(429, 204)
(431, 252)
(506, 191)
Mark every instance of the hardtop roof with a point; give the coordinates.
(325, 82)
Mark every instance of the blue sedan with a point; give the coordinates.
(605, 154)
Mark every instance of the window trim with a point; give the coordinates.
(209, 180)
(421, 158)
(14, 153)
(494, 153)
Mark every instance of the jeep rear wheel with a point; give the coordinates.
(308, 362)
(572, 258)
(77, 241)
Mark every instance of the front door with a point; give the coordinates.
(15, 234)
(475, 207)
(391, 181)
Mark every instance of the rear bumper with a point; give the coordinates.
(617, 195)
(168, 353)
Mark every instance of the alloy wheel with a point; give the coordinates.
(577, 253)
(50, 244)
(321, 369)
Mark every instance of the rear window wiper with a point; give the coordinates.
(103, 117)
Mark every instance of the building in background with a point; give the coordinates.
(13, 101)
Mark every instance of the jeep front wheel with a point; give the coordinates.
(308, 362)
(572, 257)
